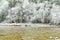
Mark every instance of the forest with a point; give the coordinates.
(30, 11)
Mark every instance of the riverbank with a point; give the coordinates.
(14, 32)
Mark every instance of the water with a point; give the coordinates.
(33, 11)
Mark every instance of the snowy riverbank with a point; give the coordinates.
(28, 25)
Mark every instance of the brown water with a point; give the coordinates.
(29, 33)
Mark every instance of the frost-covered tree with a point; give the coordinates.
(14, 13)
(4, 5)
(55, 13)
(30, 11)
(38, 12)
